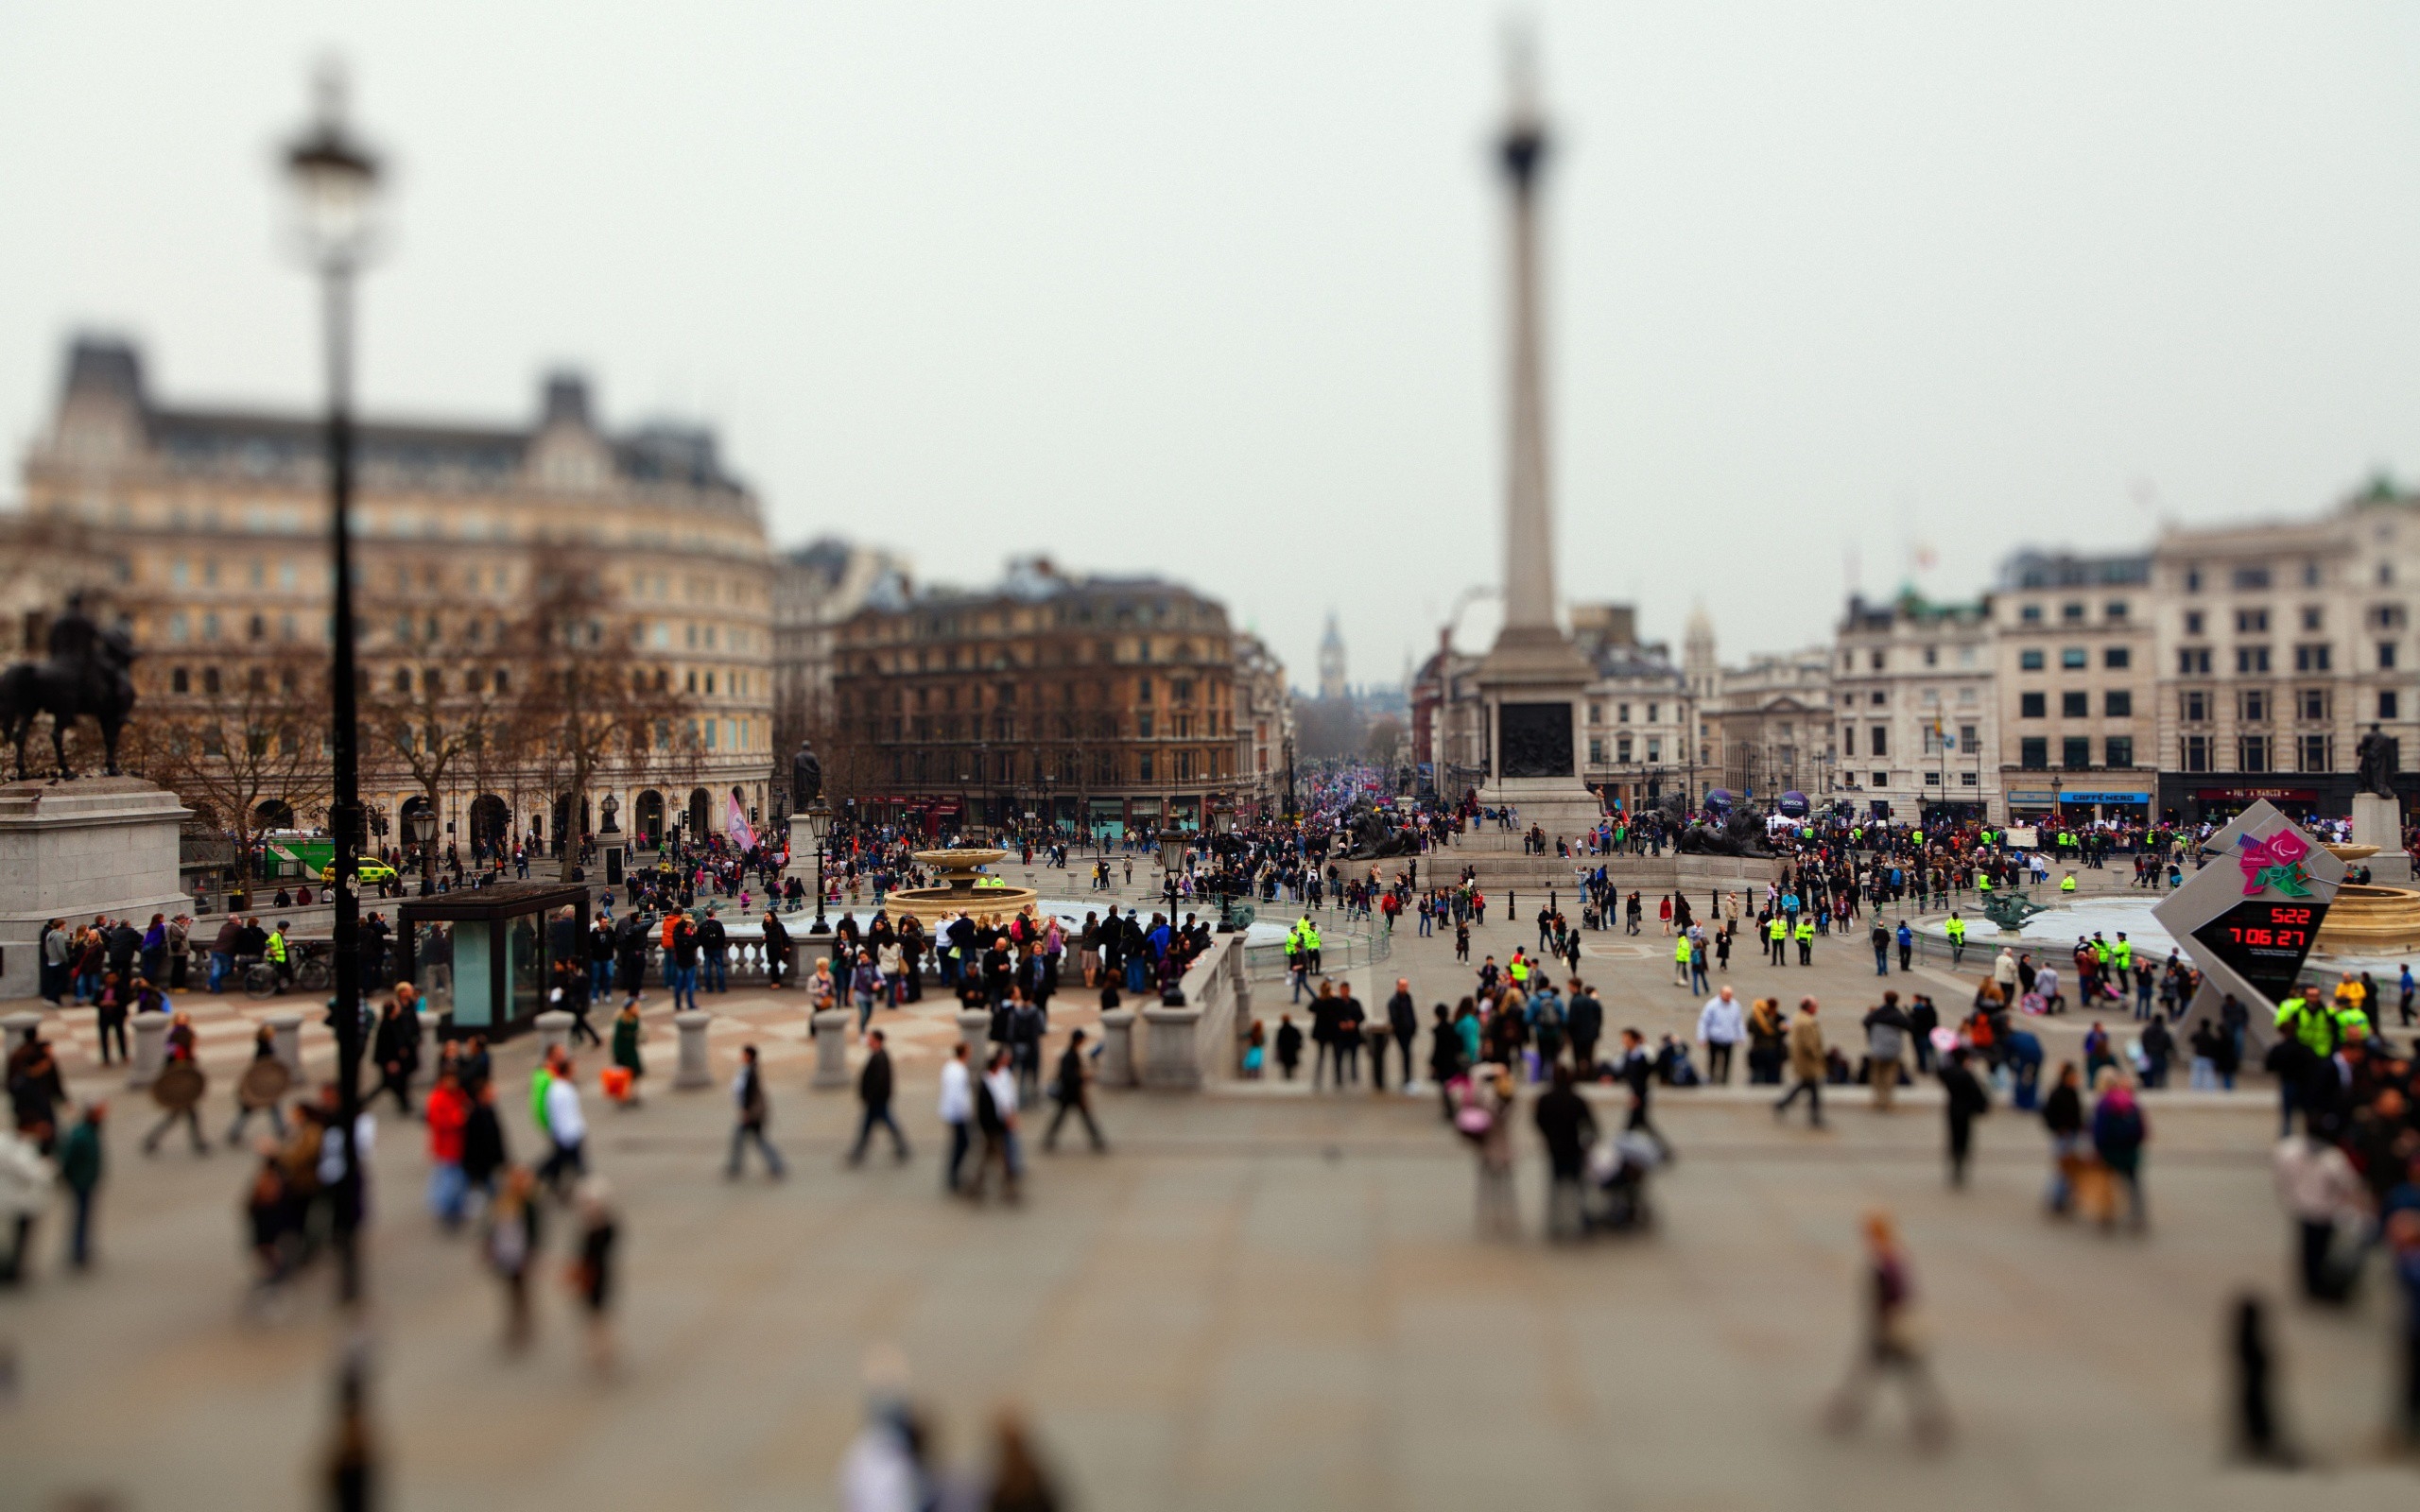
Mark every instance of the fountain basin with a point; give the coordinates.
(966, 888)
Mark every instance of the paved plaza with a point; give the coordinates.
(1261, 1298)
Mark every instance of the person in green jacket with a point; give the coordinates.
(626, 1050)
(80, 1167)
(2308, 1020)
(1805, 936)
(1956, 929)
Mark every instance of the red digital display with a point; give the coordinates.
(2264, 942)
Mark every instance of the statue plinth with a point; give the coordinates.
(2379, 821)
(1534, 684)
(98, 845)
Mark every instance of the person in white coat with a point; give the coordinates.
(1721, 1024)
(957, 1113)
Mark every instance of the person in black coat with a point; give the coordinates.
(1403, 1018)
(1290, 1046)
(873, 1090)
(396, 1049)
(1967, 1101)
(484, 1152)
(1583, 1020)
(1569, 1128)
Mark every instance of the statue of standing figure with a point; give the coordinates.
(807, 778)
(2374, 759)
(88, 672)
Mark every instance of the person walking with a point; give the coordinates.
(1584, 1023)
(591, 1274)
(1966, 1101)
(753, 1111)
(396, 1048)
(1072, 1088)
(1886, 1039)
(566, 1126)
(1806, 1065)
(1637, 1071)
(1569, 1128)
(1403, 1021)
(956, 1112)
(995, 1114)
(628, 1031)
(2119, 1131)
(1721, 1024)
(448, 1113)
(81, 1165)
(514, 1233)
(1893, 1344)
(2063, 1116)
(874, 1092)
(2319, 1191)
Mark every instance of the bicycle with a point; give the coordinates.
(311, 973)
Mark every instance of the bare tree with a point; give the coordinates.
(246, 745)
(589, 701)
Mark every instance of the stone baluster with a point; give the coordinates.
(150, 1048)
(286, 1034)
(1118, 1048)
(554, 1032)
(17, 1029)
(694, 1070)
(831, 1029)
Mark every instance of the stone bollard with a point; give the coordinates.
(554, 1032)
(286, 1033)
(16, 1028)
(694, 1072)
(974, 1027)
(1118, 1048)
(428, 1057)
(1171, 1059)
(831, 1049)
(150, 1048)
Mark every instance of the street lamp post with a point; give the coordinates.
(819, 825)
(334, 177)
(1171, 857)
(1222, 825)
(424, 829)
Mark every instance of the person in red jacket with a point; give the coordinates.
(447, 1110)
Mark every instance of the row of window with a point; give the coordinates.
(1179, 692)
(2072, 612)
(2075, 753)
(1067, 726)
(2258, 706)
(2116, 703)
(1621, 714)
(2259, 753)
(2075, 658)
(2253, 661)
(1622, 748)
(1878, 740)
(1932, 778)
(1065, 768)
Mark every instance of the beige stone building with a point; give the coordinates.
(2278, 644)
(213, 525)
(2078, 687)
(1767, 729)
(1264, 726)
(1914, 709)
(1102, 703)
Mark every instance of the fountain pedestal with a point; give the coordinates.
(2379, 821)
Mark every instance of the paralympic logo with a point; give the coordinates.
(2276, 862)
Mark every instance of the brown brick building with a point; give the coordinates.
(1099, 702)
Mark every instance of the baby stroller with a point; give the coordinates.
(1617, 1172)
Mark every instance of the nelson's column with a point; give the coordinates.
(1533, 681)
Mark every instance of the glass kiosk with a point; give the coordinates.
(485, 957)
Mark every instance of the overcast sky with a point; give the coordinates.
(1216, 290)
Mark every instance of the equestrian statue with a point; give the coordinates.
(88, 672)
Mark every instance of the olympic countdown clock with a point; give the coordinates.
(2250, 915)
(2264, 942)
